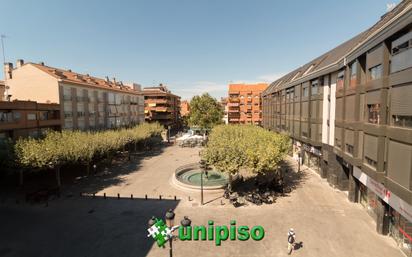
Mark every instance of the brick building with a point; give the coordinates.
(244, 103)
(184, 108)
(27, 118)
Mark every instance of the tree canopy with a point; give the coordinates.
(231, 147)
(205, 112)
(59, 148)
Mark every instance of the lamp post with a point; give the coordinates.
(185, 222)
(170, 217)
(151, 222)
(202, 169)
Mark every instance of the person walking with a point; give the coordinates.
(291, 240)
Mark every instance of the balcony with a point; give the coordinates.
(234, 100)
(233, 104)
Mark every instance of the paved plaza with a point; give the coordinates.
(325, 222)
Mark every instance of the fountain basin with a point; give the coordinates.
(188, 177)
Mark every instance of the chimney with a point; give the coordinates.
(41, 63)
(107, 79)
(114, 80)
(19, 63)
(8, 70)
(69, 70)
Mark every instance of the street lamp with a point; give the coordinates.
(151, 222)
(185, 222)
(170, 217)
(203, 167)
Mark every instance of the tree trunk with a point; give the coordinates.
(229, 185)
(21, 177)
(59, 183)
(88, 168)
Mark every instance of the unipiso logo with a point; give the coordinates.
(160, 232)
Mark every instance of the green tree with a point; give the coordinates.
(205, 112)
(232, 147)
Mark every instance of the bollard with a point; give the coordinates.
(160, 197)
(145, 197)
(104, 195)
(131, 196)
(118, 196)
(189, 198)
(94, 195)
(175, 198)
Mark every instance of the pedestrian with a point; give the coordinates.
(291, 240)
(299, 161)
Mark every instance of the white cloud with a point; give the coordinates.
(217, 89)
(188, 90)
(390, 6)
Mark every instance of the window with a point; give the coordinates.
(371, 162)
(314, 87)
(305, 92)
(375, 72)
(16, 116)
(402, 120)
(340, 81)
(6, 116)
(373, 113)
(31, 116)
(68, 115)
(353, 74)
(401, 53)
(349, 149)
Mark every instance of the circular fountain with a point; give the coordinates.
(189, 176)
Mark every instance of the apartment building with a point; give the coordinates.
(162, 106)
(244, 103)
(27, 118)
(2, 90)
(86, 102)
(184, 108)
(349, 113)
(225, 107)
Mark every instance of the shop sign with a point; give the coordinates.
(312, 149)
(380, 190)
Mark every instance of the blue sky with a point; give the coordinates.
(192, 46)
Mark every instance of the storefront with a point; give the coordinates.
(398, 213)
(311, 157)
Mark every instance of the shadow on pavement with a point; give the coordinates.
(80, 227)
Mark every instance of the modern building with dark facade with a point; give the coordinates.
(162, 106)
(349, 113)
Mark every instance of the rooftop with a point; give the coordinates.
(71, 77)
(247, 87)
(338, 53)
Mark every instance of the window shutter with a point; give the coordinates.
(401, 99)
(350, 108)
(371, 147)
(373, 97)
(349, 137)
